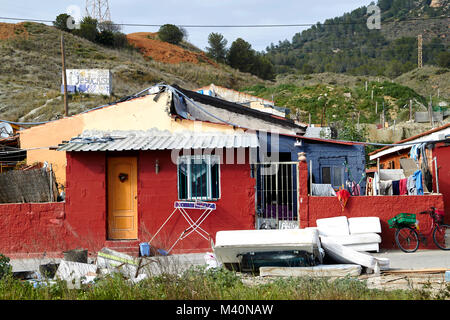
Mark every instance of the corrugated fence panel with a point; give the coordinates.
(425, 117)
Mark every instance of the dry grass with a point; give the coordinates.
(427, 80)
(30, 73)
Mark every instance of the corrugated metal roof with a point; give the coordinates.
(158, 140)
(410, 139)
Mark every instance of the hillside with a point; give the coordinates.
(346, 45)
(427, 81)
(342, 101)
(30, 72)
(30, 79)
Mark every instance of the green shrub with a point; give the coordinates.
(170, 33)
(5, 267)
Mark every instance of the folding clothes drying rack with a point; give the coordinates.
(181, 207)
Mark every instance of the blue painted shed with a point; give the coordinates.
(332, 162)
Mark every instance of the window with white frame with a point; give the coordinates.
(198, 177)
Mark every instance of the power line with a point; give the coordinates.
(244, 25)
(353, 49)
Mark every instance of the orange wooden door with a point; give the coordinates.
(122, 198)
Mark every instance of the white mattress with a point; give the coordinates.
(275, 237)
(336, 226)
(233, 242)
(357, 238)
(345, 254)
(364, 225)
(364, 247)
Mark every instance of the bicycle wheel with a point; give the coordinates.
(441, 236)
(407, 239)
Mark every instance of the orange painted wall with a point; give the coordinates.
(50, 134)
(138, 114)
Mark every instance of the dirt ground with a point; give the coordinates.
(165, 52)
(434, 282)
(11, 30)
(431, 282)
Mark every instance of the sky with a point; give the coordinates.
(200, 12)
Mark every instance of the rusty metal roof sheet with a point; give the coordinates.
(154, 139)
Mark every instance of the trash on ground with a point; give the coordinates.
(76, 255)
(333, 270)
(76, 272)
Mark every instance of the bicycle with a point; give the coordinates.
(407, 234)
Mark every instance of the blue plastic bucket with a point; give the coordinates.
(144, 248)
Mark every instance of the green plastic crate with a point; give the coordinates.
(402, 219)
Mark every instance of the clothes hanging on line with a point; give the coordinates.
(356, 189)
(428, 179)
(369, 187)
(376, 184)
(396, 188)
(403, 186)
(386, 187)
(418, 179)
(343, 196)
(415, 150)
(348, 186)
(411, 185)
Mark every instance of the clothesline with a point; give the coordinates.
(411, 185)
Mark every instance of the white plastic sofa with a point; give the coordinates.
(360, 234)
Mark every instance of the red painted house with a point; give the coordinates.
(125, 189)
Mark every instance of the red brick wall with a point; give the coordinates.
(384, 207)
(30, 229)
(86, 199)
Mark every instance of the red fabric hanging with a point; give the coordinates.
(343, 196)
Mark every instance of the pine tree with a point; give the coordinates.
(217, 47)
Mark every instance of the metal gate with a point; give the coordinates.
(276, 195)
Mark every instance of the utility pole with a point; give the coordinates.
(430, 113)
(359, 114)
(410, 110)
(419, 51)
(63, 58)
(323, 115)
